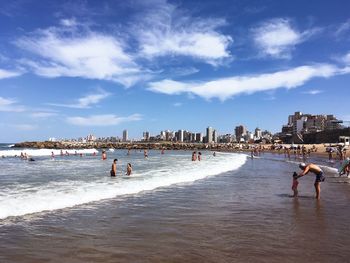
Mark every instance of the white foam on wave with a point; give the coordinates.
(45, 152)
(61, 195)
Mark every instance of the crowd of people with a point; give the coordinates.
(299, 151)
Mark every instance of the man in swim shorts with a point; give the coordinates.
(114, 168)
(317, 171)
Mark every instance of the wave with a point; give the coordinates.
(58, 195)
(44, 152)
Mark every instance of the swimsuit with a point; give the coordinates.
(320, 177)
(295, 185)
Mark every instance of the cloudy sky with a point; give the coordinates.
(71, 68)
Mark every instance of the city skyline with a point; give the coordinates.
(90, 67)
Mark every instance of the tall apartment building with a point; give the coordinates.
(125, 135)
(180, 135)
(215, 136)
(240, 131)
(146, 136)
(199, 137)
(209, 135)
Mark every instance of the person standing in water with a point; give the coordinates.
(104, 155)
(295, 184)
(317, 171)
(128, 169)
(194, 156)
(114, 168)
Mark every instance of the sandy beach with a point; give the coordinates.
(243, 215)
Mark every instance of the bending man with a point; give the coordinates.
(317, 171)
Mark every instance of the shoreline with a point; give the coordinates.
(319, 150)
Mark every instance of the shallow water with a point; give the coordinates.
(244, 215)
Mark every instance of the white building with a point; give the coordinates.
(210, 135)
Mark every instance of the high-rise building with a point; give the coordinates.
(257, 133)
(240, 131)
(199, 137)
(215, 136)
(180, 135)
(209, 135)
(125, 135)
(146, 136)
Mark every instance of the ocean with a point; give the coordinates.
(227, 208)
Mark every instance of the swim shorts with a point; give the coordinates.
(320, 177)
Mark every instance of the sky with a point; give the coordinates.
(79, 67)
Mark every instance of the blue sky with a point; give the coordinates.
(71, 68)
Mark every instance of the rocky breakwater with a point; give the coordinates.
(126, 145)
(39, 145)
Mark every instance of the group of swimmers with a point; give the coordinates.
(196, 157)
(24, 156)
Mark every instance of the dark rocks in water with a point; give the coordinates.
(123, 145)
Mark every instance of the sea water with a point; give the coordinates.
(58, 182)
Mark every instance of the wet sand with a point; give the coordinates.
(242, 216)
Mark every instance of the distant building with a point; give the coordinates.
(199, 137)
(91, 138)
(215, 136)
(240, 131)
(227, 138)
(180, 135)
(301, 125)
(193, 137)
(125, 135)
(257, 134)
(209, 136)
(146, 136)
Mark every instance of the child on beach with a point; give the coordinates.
(295, 184)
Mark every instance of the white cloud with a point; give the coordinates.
(24, 127)
(86, 101)
(177, 104)
(344, 27)
(64, 52)
(277, 38)
(313, 92)
(10, 105)
(68, 22)
(43, 115)
(9, 74)
(102, 120)
(225, 88)
(346, 58)
(183, 71)
(167, 31)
